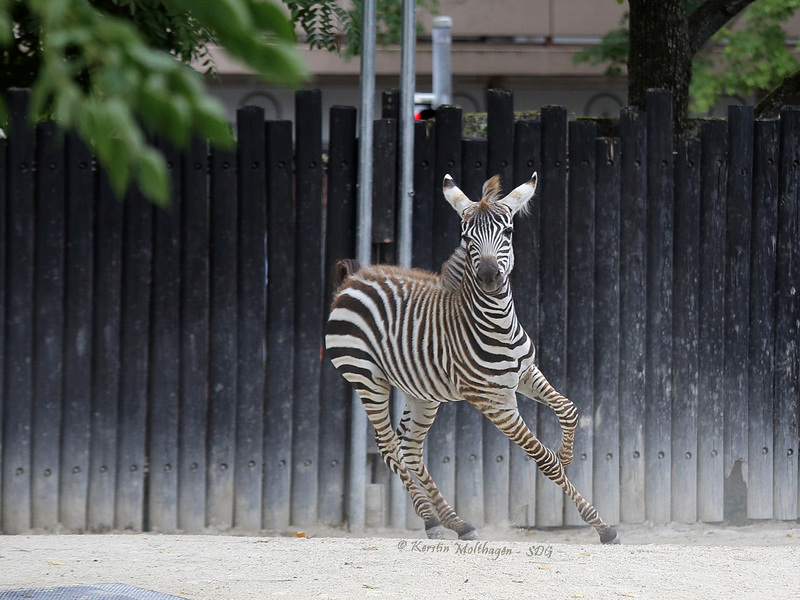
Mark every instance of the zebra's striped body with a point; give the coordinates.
(414, 333)
(445, 338)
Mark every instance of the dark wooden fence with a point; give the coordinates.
(163, 370)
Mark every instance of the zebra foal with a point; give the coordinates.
(447, 338)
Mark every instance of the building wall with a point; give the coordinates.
(527, 46)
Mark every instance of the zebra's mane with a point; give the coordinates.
(453, 269)
(491, 190)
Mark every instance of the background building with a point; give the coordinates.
(523, 45)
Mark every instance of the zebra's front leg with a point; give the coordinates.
(417, 420)
(534, 385)
(508, 420)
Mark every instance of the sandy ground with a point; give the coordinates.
(698, 561)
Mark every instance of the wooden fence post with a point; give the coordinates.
(106, 351)
(632, 280)
(16, 485)
(474, 500)
(3, 237)
(280, 325)
(339, 243)
(683, 472)
(384, 188)
(424, 194)
(711, 327)
(525, 279)
(164, 383)
(606, 435)
(553, 300)
(248, 474)
(496, 446)
(135, 320)
(446, 236)
(78, 310)
(580, 304)
(787, 320)
(308, 310)
(737, 284)
(193, 401)
(500, 133)
(658, 351)
(223, 317)
(761, 359)
(48, 326)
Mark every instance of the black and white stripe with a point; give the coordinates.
(446, 338)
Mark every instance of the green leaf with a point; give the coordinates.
(152, 177)
(268, 16)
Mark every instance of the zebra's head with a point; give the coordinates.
(486, 228)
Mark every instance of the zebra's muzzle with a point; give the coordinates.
(488, 274)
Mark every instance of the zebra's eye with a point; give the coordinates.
(508, 231)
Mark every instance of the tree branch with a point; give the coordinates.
(709, 18)
(771, 104)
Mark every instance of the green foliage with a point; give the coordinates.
(329, 26)
(755, 56)
(106, 67)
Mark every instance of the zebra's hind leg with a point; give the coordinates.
(509, 421)
(534, 385)
(417, 420)
(376, 404)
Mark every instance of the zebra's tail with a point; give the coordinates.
(343, 269)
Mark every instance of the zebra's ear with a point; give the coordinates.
(520, 196)
(457, 199)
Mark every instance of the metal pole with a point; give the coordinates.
(442, 80)
(398, 495)
(358, 418)
(407, 87)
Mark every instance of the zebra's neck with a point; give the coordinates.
(492, 313)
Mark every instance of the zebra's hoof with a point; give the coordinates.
(610, 537)
(469, 535)
(435, 533)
